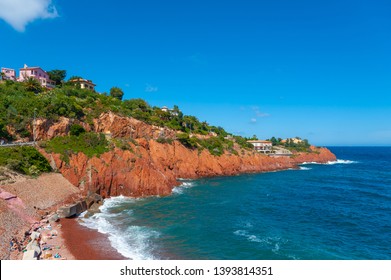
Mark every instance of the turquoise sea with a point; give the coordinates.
(338, 210)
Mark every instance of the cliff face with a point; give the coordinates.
(119, 127)
(152, 168)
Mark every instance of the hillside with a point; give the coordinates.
(112, 147)
(56, 110)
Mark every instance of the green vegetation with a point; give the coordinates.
(58, 76)
(243, 142)
(91, 144)
(32, 85)
(275, 141)
(116, 92)
(76, 130)
(215, 145)
(4, 133)
(302, 146)
(20, 101)
(163, 140)
(293, 144)
(122, 144)
(186, 141)
(26, 160)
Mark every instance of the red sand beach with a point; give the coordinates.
(87, 244)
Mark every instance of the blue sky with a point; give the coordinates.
(320, 70)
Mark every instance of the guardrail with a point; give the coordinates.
(18, 144)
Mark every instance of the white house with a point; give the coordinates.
(262, 146)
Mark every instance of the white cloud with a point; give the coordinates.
(253, 120)
(258, 112)
(150, 88)
(19, 13)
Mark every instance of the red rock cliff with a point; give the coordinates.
(107, 122)
(152, 168)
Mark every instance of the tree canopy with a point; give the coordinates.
(32, 85)
(116, 92)
(57, 75)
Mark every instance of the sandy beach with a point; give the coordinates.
(87, 244)
(67, 240)
(26, 205)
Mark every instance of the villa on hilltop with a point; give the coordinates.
(41, 76)
(8, 74)
(172, 112)
(37, 73)
(28, 72)
(295, 140)
(84, 84)
(262, 146)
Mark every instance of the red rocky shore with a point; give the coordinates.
(152, 168)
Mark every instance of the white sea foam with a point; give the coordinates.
(276, 248)
(185, 185)
(116, 201)
(273, 243)
(338, 161)
(133, 242)
(341, 161)
(309, 162)
(305, 168)
(250, 237)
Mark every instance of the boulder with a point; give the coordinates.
(72, 210)
(35, 235)
(54, 218)
(30, 255)
(34, 246)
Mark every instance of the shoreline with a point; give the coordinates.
(78, 242)
(87, 244)
(69, 240)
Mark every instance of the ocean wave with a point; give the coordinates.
(338, 161)
(116, 201)
(133, 242)
(341, 161)
(185, 185)
(309, 162)
(305, 168)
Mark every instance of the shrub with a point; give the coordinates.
(187, 141)
(76, 130)
(163, 140)
(91, 144)
(214, 145)
(26, 160)
(122, 144)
